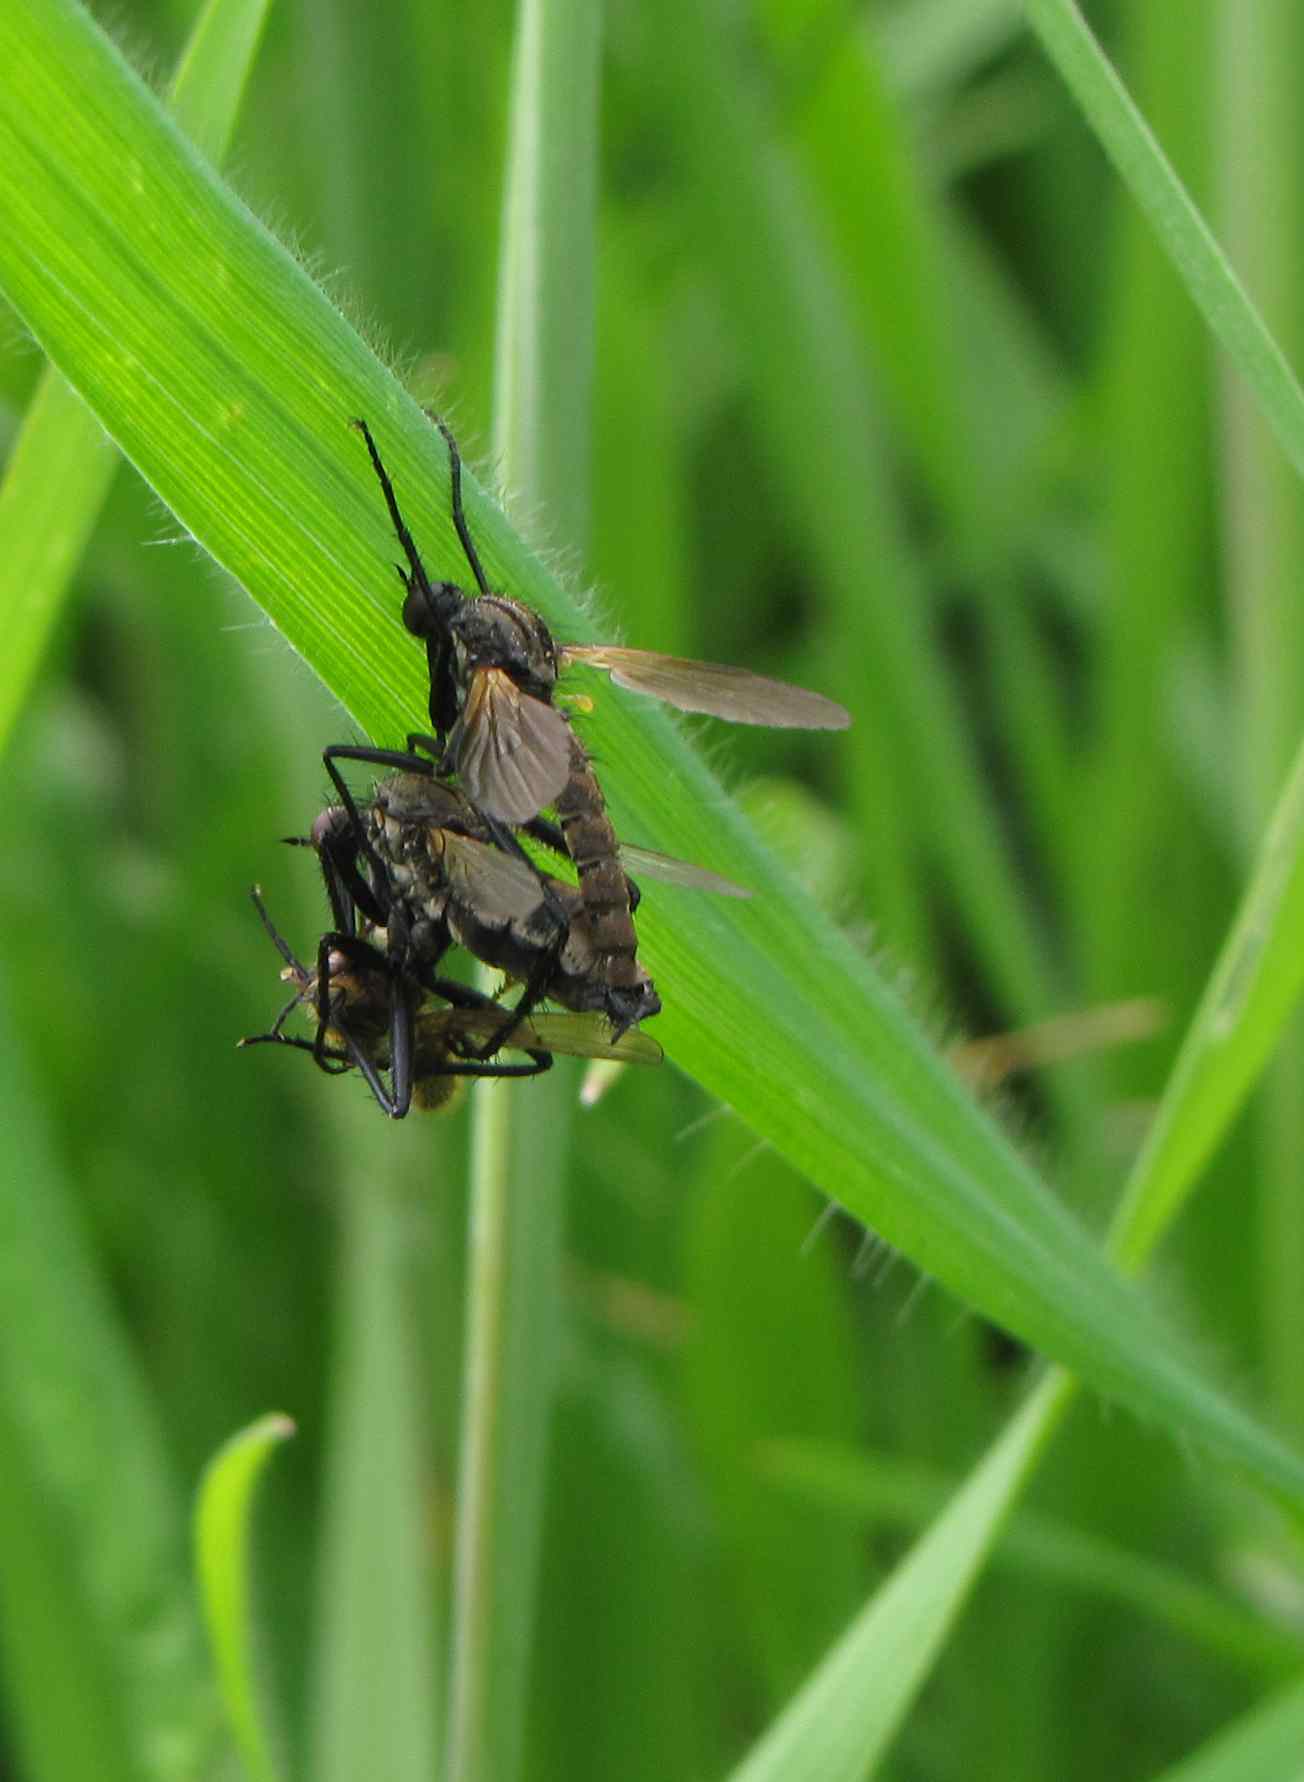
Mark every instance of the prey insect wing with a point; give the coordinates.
(574, 1035)
(713, 689)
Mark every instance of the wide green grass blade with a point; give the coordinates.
(1141, 163)
(223, 1531)
(75, 1405)
(59, 472)
(228, 379)
(543, 379)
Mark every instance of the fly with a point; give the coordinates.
(494, 664)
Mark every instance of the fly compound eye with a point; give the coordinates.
(419, 615)
(332, 825)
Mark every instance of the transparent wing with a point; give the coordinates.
(497, 886)
(512, 750)
(712, 688)
(578, 1036)
(645, 863)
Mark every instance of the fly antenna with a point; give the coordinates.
(278, 939)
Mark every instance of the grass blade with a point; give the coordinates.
(1145, 170)
(223, 1519)
(59, 472)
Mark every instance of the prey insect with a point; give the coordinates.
(494, 665)
(377, 1017)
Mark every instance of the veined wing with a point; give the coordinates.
(512, 750)
(647, 864)
(577, 1036)
(713, 688)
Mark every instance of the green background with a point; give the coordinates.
(896, 394)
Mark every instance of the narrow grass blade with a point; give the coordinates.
(223, 1519)
(878, 1489)
(74, 1402)
(542, 388)
(1145, 170)
(61, 466)
(848, 1711)
(229, 380)
(1250, 996)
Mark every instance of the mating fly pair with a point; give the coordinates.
(423, 866)
(493, 666)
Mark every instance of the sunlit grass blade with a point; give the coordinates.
(543, 378)
(61, 466)
(223, 1518)
(229, 380)
(76, 1406)
(1141, 163)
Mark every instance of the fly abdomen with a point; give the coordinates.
(592, 845)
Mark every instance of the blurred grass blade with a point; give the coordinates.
(1262, 1746)
(1141, 163)
(223, 1526)
(73, 1401)
(229, 380)
(543, 378)
(1249, 998)
(375, 1704)
(61, 466)
(808, 372)
(877, 1489)
(846, 1714)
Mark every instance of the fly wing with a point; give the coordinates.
(497, 886)
(512, 750)
(713, 688)
(577, 1036)
(646, 864)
